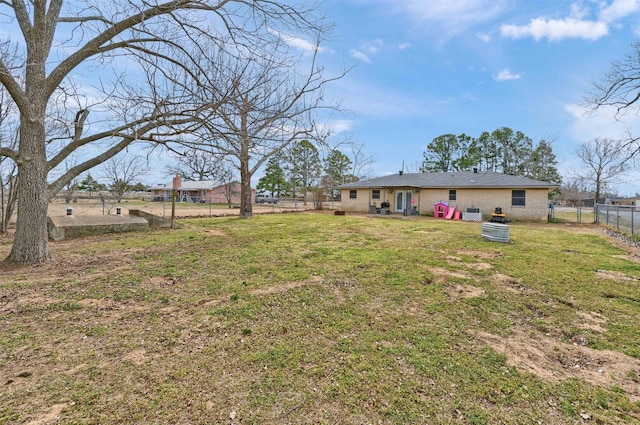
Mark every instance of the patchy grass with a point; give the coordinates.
(313, 318)
(585, 215)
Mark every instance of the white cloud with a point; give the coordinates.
(506, 75)
(579, 11)
(360, 55)
(335, 127)
(367, 50)
(557, 29)
(297, 42)
(484, 37)
(374, 47)
(619, 9)
(447, 19)
(601, 123)
(577, 24)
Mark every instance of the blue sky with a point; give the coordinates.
(423, 68)
(430, 67)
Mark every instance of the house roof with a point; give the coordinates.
(192, 185)
(465, 179)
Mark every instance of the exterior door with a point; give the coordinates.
(403, 200)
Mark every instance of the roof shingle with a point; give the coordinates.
(465, 179)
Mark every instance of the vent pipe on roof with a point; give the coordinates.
(475, 171)
(400, 172)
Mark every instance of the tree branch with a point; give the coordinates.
(9, 153)
(93, 47)
(13, 88)
(22, 16)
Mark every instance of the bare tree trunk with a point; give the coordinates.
(164, 109)
(9, 192)
(246, 207)
(30, 245)
(3, 221)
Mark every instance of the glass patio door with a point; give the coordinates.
(403, 200)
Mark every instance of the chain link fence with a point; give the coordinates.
(571, 215)
(624, 218)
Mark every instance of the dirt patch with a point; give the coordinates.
(137, 357)
(12, 303)
(555, 361)
(278, 289)
(163, 281)
(458, 262)
(616, 275)
(509, 283)
(453, 259)
(442, 275)
(592, 321)
(214, 232)
(482, 255)
(284, 288)
(466, 291)
(479, 266)
(52, 415)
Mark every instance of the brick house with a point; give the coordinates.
(199, 192)
(406, 193)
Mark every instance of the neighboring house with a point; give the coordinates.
(586, 202)
(632, 201)
(199, 192)
(519, 197)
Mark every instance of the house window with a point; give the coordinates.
(375, 194)
(452, 195)
(518, 198)
(353, 194)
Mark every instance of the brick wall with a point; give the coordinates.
(535, 209)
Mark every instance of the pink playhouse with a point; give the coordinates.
(443, 210)
(440, 209)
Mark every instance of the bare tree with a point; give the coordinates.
(8, 177)
(573, 191)
(8, 192)
(59, 39)
(70, 187)
(605, 163)
(619, 88)
(361, 162)
(198, 165)
(269, 106)
(120, 172)
(69, 190)
(227, 178)
(8, 139)
(272, 93)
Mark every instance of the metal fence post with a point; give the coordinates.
(579, 214)
(626, 218)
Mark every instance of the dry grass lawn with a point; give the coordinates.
(319, 319)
